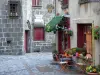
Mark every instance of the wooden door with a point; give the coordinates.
(89, 41)
(84, 36)
(80, 36)
(26, 41)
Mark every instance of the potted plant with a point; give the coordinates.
(98, 69)
(92, 70)
(96, 32)
(55, 55)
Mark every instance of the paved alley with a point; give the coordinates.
(30, 64)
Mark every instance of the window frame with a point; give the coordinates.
(14, 8)
(36, 4)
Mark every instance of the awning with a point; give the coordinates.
(52, 24)
(38, 21)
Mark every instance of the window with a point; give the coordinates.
(36, 3)
(38, 34)
(64, 4)
(14, 8)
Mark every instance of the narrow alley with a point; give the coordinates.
(30, 64)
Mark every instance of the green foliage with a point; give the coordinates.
(91, 69)
(70, 32)
(55, 51)
(79, 50)
(96, 32)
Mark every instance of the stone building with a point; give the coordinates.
(84, 16)
(43, 12)
(17, 21)
(11, 28)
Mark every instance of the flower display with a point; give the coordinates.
(70, 32)
(96, 32)
(91, 69)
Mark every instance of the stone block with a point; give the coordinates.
(19, 25)
(4, 12)
(1, 34)
(21, 29)
(8, 51)
(20, 43)
(8, 48)
(0, 21)
(46, 49)
(2, 39)
(17, 47)
(17, 39)
(5, 29)
(2, 47)
(1, 29)
(10, 30)
(4, 21)
(36, 49)
(9, 21)
(0, 44)
(14, 35)
(17, 30)
(14, 43)
(4, 43)
(20, 34)
(7, 34)
(2, 25)
(7, 25)
(2, 17)
(14, 25)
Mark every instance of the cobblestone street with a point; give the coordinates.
(30, 64)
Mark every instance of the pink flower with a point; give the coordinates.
(69, 28)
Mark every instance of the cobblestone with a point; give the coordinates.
(27, 65)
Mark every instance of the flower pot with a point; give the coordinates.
(55, 57)
(95, 38)
(92, 73)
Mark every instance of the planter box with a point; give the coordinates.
(92, 73)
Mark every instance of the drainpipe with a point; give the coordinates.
(55, 7)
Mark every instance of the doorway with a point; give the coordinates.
(63, 38)
(84, 36)
(26, 41)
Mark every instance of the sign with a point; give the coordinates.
(50, 7)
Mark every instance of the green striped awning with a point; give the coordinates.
(52, 24)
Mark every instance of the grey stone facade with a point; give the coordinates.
(46, 45)
(11, 32)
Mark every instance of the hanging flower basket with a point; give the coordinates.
(96, 32)
(70, 32)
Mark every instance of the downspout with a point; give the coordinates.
(93, 44)
(55, 7)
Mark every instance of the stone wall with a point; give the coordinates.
(10, 30)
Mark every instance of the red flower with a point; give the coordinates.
(97, 33)
(96, 26)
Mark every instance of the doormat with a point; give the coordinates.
(44, 68)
